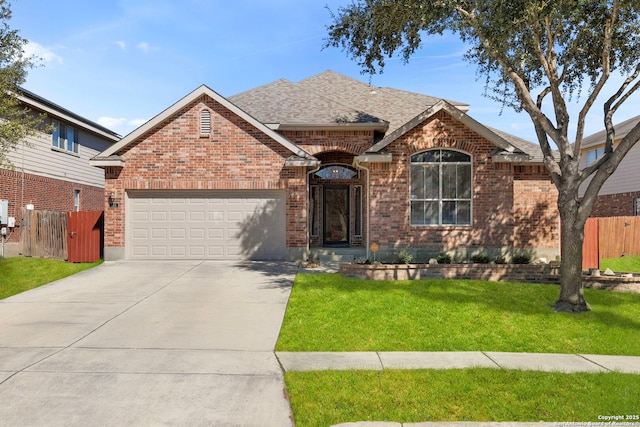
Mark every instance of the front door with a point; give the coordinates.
(336, 215)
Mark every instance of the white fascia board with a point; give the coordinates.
(106, 162)
(452, 111)
(191, 97)
(329, 126)
(56, 114)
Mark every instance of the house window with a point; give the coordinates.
(205, 122)
(441, 188)
(594, 154)
(76, 200)
(337, 172)
(65, 137)
(636, 207)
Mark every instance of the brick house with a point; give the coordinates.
(325, 164)
(51, 171)
(620, 194)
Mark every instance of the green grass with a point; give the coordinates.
(324, 398)
(21, 274)
(626, 264)
(333, 313)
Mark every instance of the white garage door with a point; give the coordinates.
(206, 225)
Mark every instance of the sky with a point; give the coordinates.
(121, 62)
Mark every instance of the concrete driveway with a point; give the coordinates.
(147, 343)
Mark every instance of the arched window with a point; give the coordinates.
(441, 188)
(205, 122)
(337, 172)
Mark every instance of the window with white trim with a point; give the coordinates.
(64, 137)
(441, 188)
(594, 154)
(76, 200)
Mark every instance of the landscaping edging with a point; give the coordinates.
(536, 273)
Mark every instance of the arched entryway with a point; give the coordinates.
(336, 205)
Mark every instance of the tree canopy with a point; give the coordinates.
(536, 56)
(16, 122)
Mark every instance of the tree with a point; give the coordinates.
(535, 55)
(16, 122)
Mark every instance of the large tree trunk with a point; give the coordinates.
(572, 236)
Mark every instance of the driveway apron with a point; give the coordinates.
(147, 343)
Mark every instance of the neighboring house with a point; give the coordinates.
(620, 194)
(287, 169)
(51, 171)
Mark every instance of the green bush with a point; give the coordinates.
(443, 258)
(404, 257)
(500, 260)
(521, 259)
(481, 258)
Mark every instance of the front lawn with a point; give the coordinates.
(324, 398)
(625, 264)
(328, 312)
(21, 274)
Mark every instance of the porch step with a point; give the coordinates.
(336, 255)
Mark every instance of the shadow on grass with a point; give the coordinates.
(518, 298)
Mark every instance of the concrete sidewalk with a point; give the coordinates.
(568, 363)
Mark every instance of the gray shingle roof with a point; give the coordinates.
(533, 150)
(621, 129)
(393, 105)
(285, 103)
(333, 99)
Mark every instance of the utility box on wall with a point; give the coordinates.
(4, 212)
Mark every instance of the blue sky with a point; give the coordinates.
(121, 62)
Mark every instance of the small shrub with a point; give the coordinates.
(404, 257)
(499, 260)
(443, 258)
(521, 259)
(480, 259)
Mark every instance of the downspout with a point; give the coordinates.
(358, 165)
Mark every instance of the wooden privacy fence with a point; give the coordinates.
(43, 234)
(610, 237)
(71, 236)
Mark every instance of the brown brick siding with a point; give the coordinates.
(45, 194)
(513, 206)
(620, 204)
(236, 156)
(499, 209)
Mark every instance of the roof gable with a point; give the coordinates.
(107, 156)
(452, 111)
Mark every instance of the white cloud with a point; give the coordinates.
(138, 122)
(46, 55)
(143, 46)
(112, 122)
(122, 44)
(121, 124)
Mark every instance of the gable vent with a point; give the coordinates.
(205, 122)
